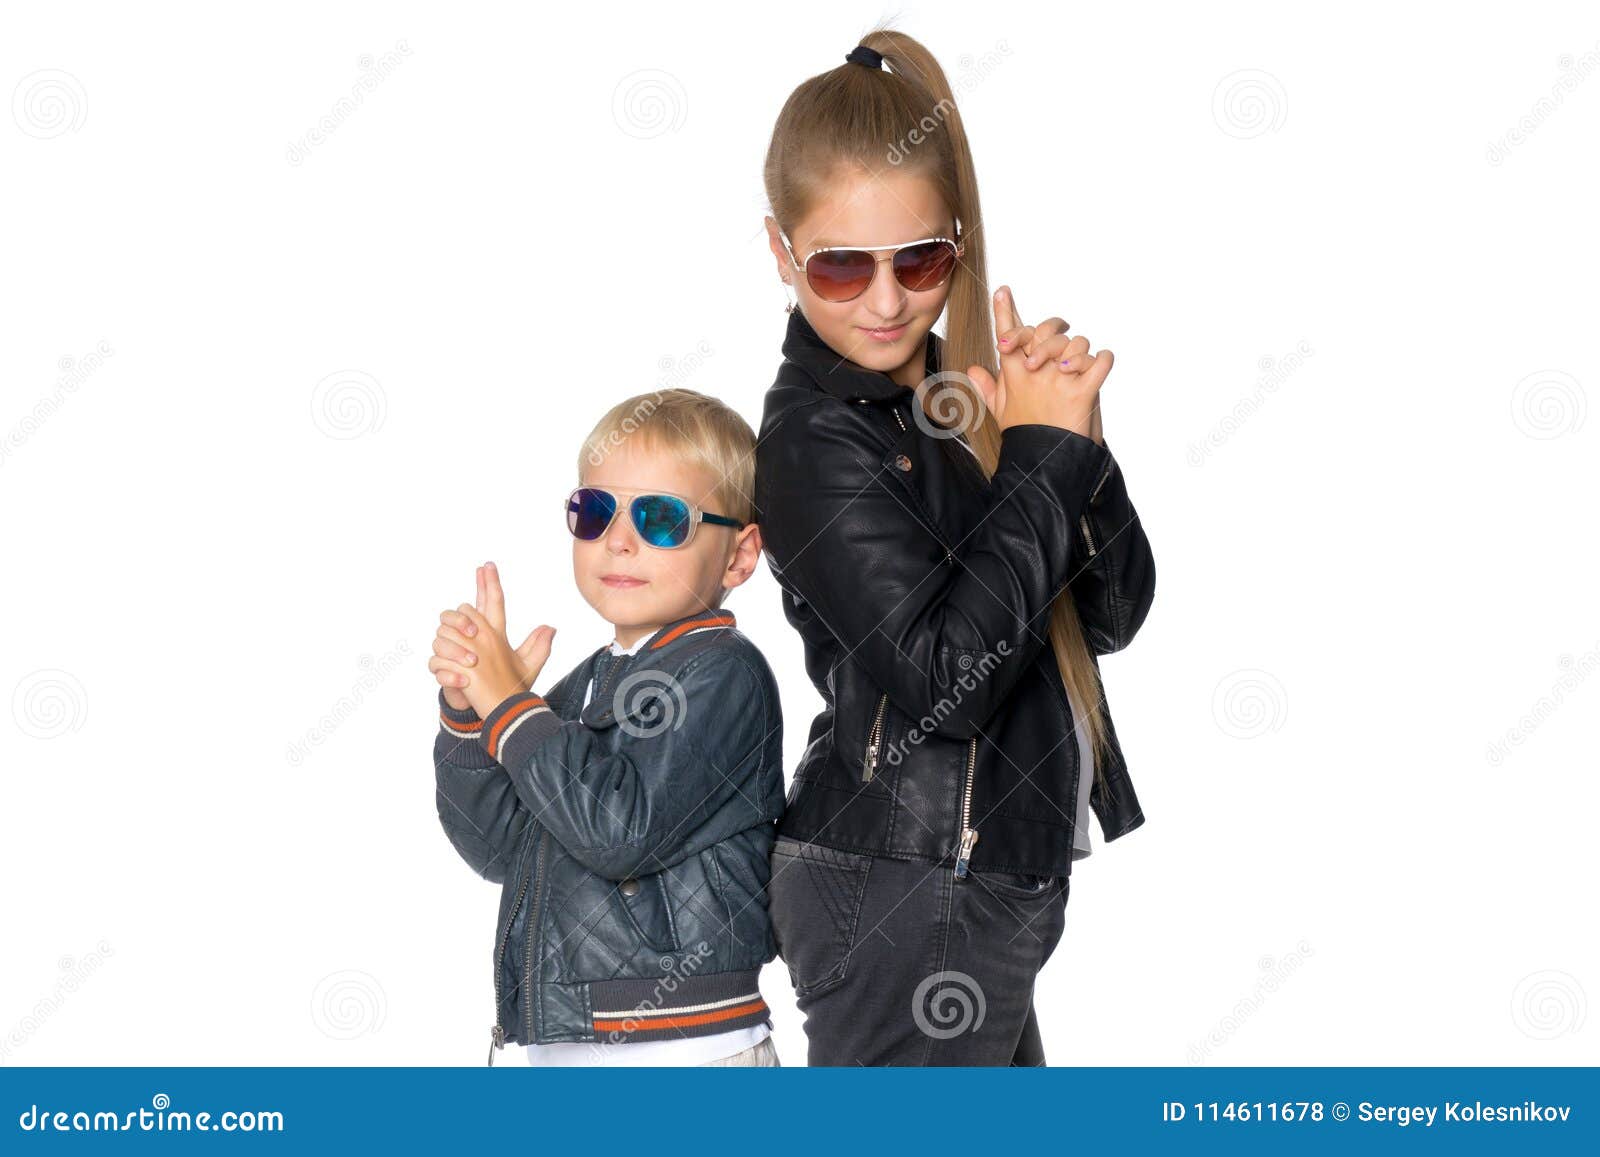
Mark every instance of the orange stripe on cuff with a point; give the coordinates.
(516, 712)
(650, 1023)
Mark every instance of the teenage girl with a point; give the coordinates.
(955, 544)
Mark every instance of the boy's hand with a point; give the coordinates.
(472, 658)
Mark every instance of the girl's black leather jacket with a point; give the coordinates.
(922, 591)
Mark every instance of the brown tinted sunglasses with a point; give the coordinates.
(843, 272)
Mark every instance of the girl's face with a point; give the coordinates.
(886, 328)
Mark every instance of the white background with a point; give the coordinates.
(335, 386)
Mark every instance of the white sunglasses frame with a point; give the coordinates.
(958, 241)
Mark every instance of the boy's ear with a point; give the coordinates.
(746, 554)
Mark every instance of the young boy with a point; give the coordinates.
(628, 811)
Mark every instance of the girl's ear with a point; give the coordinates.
(775, 243)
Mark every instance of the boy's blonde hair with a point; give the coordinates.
(694, 427)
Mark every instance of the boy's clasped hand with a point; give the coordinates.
(473, 659)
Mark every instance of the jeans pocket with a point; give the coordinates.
(814, 901)
(1023, 886)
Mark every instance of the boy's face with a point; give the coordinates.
(667, 584)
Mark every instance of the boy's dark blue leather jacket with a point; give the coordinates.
(631, 837)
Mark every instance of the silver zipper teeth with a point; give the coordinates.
(969, 834)
(533, 931)
(869, 763)
(1083, 519)
(538, 887)
(497, 1034)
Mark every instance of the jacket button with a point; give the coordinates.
(902, 462)
(629, 887)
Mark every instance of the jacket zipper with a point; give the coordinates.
(1083, 519)
(1088, 540)
(497, 1034)
(869, 764)
(533, 932)
(969, 834)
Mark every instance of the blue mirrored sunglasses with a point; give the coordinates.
(664, 521)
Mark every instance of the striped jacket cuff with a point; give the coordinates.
(523, 716)
(457, 742)
(640, 1009)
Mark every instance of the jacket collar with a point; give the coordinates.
(669, 633)
(840, 376)
(600, 711)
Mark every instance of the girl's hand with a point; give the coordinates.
(1035, 386)
(472, 658)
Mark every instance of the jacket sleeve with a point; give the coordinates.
(478, 809)
(694, 762)
(841, 536)
(1114, 579)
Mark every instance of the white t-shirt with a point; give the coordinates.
(689, 1050)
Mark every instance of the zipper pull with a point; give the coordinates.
(497, 1040)
(870, 760)
(969, 836)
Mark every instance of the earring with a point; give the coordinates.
(789, 292)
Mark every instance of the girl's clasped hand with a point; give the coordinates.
(1045, 377)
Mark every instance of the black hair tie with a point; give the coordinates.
(869, 57)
